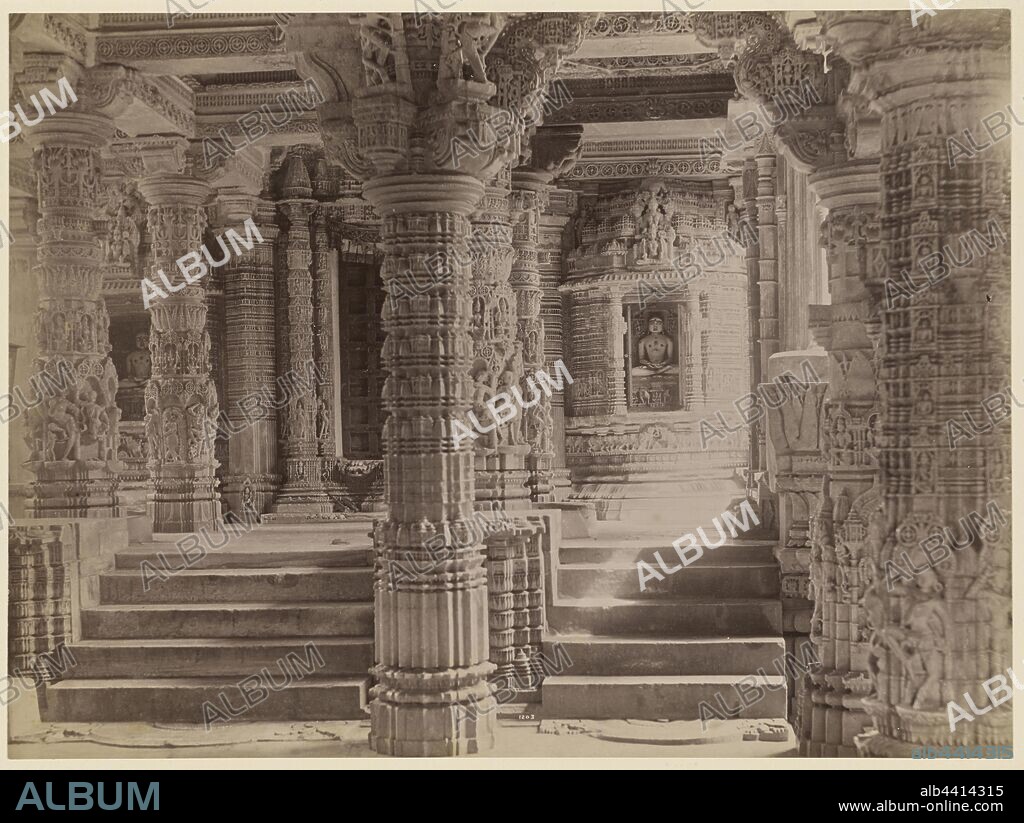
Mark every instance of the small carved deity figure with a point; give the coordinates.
(872, 437)
(515, 363)
(655, 350)
(138, 364)
(172, 435)
(483, 390)
(841, 437)
(477, 35)
(666, 236)
(123, 242)
(645, 216)
(95, 422)
(63, 426)
(197, 430)
(925, 645)
(153, 428)
(322, 420)
(509, 433)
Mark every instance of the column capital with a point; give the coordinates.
(486, 72)
(174, 190)
(967, 52)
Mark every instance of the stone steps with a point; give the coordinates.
(659, 656)
(231, 585)
(227, 620)
(593, 550)
(284, 558)
(239, 657)
(733, 580)
(285, 610)
(656, 697)
(668, 617)
(181, 699)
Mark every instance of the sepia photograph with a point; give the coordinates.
(500, 384)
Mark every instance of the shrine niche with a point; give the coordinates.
(652, 368)
(658, 307)
(129, 339)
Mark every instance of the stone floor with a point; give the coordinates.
(31, 739)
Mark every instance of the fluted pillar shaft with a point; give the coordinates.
(181, 400)
(436, 625)
(73, 433)
(251, 347)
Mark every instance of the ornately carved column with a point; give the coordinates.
(851, 495)
(498, 360)
(554, 152)
(940, 632)
(409, 124)
(324, 324)
(181, 400)
(529, 198)
(302, 491)
(251, 357)
(73, 435)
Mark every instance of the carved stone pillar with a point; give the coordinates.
(939, 633)
(529, 199)
(794, 471)
(181, 400)
(498, 361)
(73, 434)
(302, 491)
(849, 192)
(404, 128)
(767, 264)
(251, 419)
(554, 152)
(324, 324)
(747, 197)
(554, 244)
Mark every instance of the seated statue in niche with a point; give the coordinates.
(138, 364)
(655, 350)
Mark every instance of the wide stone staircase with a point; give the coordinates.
(247, 610)
(656, 654)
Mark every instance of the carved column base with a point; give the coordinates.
(303, 491)
(509, 609)
(184, 503)
(445, 720)
(542, 477)
(75, 488)
(562, 483)
(256, 490)
(501, 477)
(837, 716)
